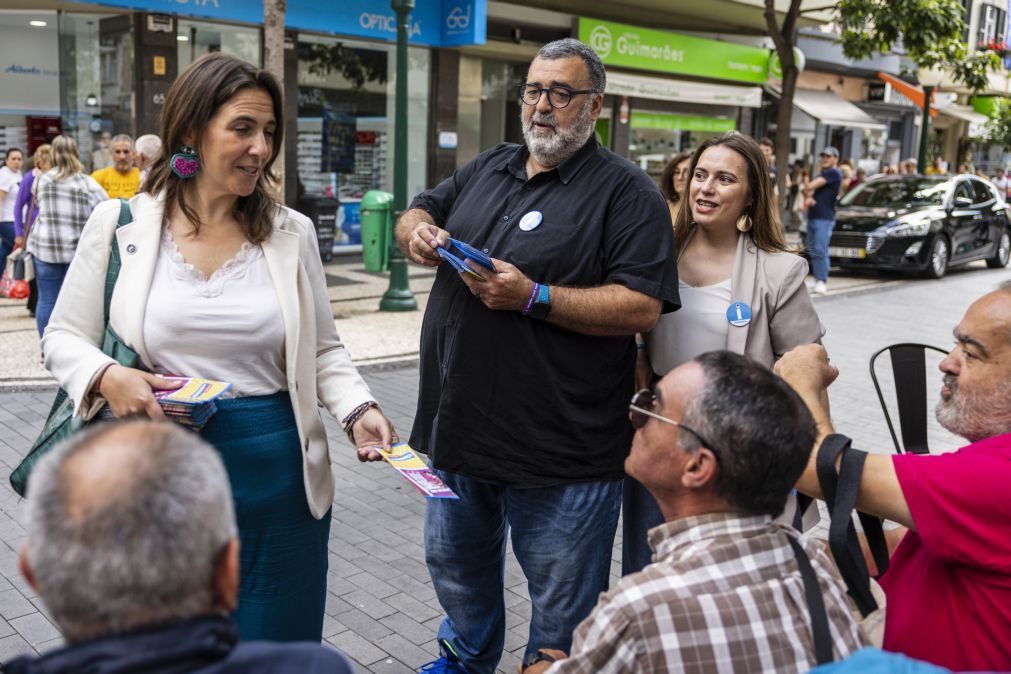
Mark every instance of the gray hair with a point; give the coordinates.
(148, 145)
(121, 138)
(569, 47)
(759, 429)
(126, 524)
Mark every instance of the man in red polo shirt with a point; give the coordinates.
(949, 581)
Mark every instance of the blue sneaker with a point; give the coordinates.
(448, 662)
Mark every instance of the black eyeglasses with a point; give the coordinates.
(641, 410)
(558, 97)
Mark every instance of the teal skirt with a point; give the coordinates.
(282, 591)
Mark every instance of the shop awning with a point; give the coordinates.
(830, 109)
(664, 89)
(911, 91)
(964, 113)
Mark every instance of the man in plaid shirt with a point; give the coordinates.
(720, 444)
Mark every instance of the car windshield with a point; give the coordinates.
(896, 194)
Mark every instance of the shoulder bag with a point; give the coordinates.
(61, 422)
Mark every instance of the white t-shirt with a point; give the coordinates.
(9, 181)
(1001, 184)
(700, 325)
(228, 327)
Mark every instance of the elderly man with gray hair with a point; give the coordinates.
(132, 547)
(147, 148)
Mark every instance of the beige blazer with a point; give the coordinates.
(782, 314)
(314, 356)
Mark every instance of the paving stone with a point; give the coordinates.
(411, 630)
(357, 648)
(35, 628)
(14, 605)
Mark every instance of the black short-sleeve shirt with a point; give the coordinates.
(508, 399)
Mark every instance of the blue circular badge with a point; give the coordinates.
(531, 220)
(738, 314)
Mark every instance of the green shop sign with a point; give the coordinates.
(619, 44)
(667, 122)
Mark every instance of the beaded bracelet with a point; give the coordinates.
(530, 302)
(356, 414)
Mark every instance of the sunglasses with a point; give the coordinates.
(642, 409)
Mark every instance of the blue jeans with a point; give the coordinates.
(819, 231)
(562, 537)
(6, 243)
(49, 277)
(639, 514)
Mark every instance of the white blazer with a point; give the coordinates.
(314, 355)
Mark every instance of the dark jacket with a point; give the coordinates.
(208, 645)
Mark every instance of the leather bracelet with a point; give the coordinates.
(349, 421)
(96, 388)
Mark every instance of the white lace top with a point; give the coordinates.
(227, 327)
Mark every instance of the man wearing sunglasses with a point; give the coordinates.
(719, 443)
(525, 366)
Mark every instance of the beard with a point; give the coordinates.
(552, 148)
(977, 415)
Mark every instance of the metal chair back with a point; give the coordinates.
(909, 370)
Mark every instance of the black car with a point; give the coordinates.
(921, 223)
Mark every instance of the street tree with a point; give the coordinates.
(929, 31)
(273, 62)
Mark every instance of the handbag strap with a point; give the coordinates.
(840, 490)
(115, 262)
(815, 605)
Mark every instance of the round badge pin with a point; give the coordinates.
(738, 314)
(531, 220)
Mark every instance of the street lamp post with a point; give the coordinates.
(921, 162)
(929, 80)
(398, 297)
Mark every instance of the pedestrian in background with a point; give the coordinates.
(525, 371)
(146, 152)
(27, 208)
(673, 180)
(1000, 181)
(908, 167)
(10, 178)
(822, 195)
(741, 286)
(66, 197)
(222, 282)
(122, 179)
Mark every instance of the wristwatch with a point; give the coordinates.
(542, 305)
(532, 659)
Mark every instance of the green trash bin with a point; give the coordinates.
(377, 230)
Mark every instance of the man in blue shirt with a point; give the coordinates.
(822, 193)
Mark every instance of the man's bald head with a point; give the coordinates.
(127, 523)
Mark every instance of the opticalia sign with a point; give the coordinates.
(435, 23)
(659, 51)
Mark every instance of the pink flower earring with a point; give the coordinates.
(184, 163)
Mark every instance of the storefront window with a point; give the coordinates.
(500, 106)
(197, 38)
(96, 57)
(657, 136)
(346, 93)
(29, 78)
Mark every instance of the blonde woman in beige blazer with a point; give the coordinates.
(747, 287)
(221, 282)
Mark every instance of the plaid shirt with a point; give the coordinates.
(64, 207)
(724, 596)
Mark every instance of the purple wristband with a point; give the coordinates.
(530, 302)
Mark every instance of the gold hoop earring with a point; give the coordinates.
(744, 223)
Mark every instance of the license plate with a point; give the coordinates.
(859, 253)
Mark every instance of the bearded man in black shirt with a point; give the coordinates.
(526, 369)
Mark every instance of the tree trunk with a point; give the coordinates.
(785, 38)
(273, 62)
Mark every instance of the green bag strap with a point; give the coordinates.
(112, 273)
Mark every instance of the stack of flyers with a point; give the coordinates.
(468, 252)
(191, 405)
(415, 471)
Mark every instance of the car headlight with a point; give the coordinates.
(913, 225)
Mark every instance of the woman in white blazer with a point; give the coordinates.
(741, 287)
(218, 281)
